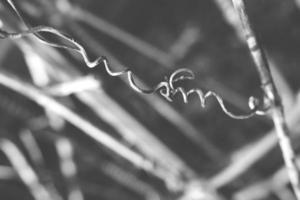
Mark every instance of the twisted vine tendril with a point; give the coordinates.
(166, 88)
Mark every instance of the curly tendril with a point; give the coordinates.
(185, 74)
(166, 88)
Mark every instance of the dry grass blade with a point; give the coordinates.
(153, 146)
(92, 131)
(99, 136)
(118, 34)
(262, 189)
(68, 167)
(245, 158)
(130, 181)
(31, 145)
(35, 154)
(162, 107)
(87, 83)
(272, 97)
(232, 19)
(112, 113)
(166, 88)
(24, 170)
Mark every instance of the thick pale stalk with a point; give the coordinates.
(272, 98)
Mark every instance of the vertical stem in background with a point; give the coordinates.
(272, 98)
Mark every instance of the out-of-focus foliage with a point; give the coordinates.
(179, 151)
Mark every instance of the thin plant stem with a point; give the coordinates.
(88, 128)
(32, 147)
(36, 156)
(114, 171)
(68, 168)
(24, 170)
(47, 102)
(272, 98)
(162, 107)
(243, 158)
(131, 182)
(246, 157)
(167, 111)
(120, 35)
(232, 20)
(124, 123)
(78, 85)
(263, 188)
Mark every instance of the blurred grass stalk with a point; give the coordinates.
(96, 104)
(159, 103)
(114, 114)
(186, 40)
(189, 37)
(38, 161)
(32, 93)
(272, 97)
(115, 172)
(143, 47)
(25, 172)
(243, 159)
(232, 18)
(262, 189)
(247, 156)
(68, 168)
(100, 136)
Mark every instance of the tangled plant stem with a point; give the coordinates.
(166, 88)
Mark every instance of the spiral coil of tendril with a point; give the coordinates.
(166, 88)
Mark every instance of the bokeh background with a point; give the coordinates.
(195, 152)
